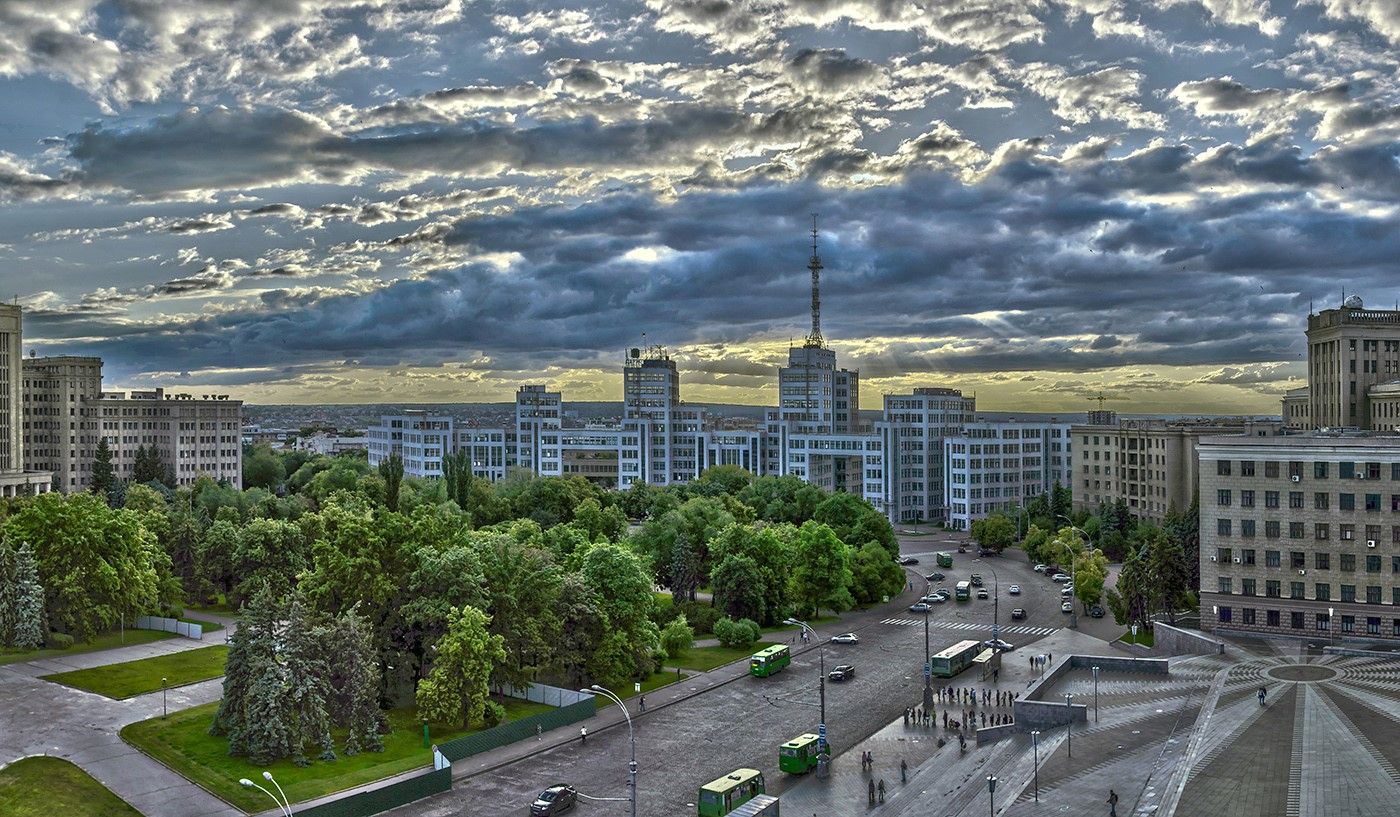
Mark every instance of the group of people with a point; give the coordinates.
(971, 718)
(1041, 661)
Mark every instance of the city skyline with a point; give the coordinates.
(330, 202)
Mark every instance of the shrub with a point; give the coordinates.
(677, 637)
(700, 616)
(735, 634)
(58, 641)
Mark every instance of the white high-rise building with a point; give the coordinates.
(993, 466)
(912, 434)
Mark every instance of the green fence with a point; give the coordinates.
(507, 733)
(391, 796)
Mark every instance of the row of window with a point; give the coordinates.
(1321, 501)
(1298, 560)
(1320, 468)
(1322, 591)
(1297, 620)
(1322, 531)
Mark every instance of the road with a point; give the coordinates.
(741, 724)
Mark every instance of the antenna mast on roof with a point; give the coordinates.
(814, 340)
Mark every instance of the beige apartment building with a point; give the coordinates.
(1351, 351)
(66, 412)
(1300, 535)
(15, 478)
(1150, 464)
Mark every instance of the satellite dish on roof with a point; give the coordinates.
(1352, 302)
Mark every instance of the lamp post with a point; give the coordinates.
(1069, 726)
(1073, 609)
(163, 710)
(1035, 745)
(991, 795)
(1331, 628)
(821, 680)
(283, 808)
(631, 737)
(996, 605)
(1096, 694)
(928, 661)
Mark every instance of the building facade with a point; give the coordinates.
(1350, 350)
(17, 476)
(991, 466)
(1300, 535)
(1297, 409)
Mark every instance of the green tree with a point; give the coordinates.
(308, 688)
(1035, 544)
(354, 682)
(738, 587)
(996, 533)
(149, 467)
(29, 621)
(1167, 569)
(269, 553)
(458, 685)
(736, 634)
(104, 478)
(1090, 572)
(722, 479)
(821, 574)
(262, 468)
(782, 499)
(9, 592)
(874, 574)
(250, 714)
(623, 590)
(771, 548)
(856, 522)
(582, 625)
(522, 585)
(457, 477)
(677, 637)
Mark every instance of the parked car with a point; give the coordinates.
(1018, 614)
(1067, 607)
(976, 579)
(936, 598)
(935, 577)
(908, 560)
(554, 800)
(845, 672)
(999, 645)
(982, 593)
(1066, 591)
(919, 607)
(845, 638)
(1059, 577)
(1096, 611)
(1040, 568)
(1014, 589)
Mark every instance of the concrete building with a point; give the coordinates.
(992, 466)
(61, 424)
(329, 445)
(912, 432)
(1150, 464)
(1350, 350)
(17, 476)
(1297, 409)
(1300, 535)
(422, 440)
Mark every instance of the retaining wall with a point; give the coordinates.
(1169, 640)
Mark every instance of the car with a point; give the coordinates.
(845, 638)
(1066, 592)
(935, 577)
(983, 594)
(1018, 614)
(556, 799)
(919, 607)
(976, 579)
(1014, 589)
(845, 672)
(1067, 607)
(1040, 568)
(962, 548)
(908, 560)
(936, 598)
(1096, 611)
(999, 645)
(1060, 578)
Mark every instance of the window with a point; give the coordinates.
(1247, 528)
(1222, 555)
(1271, 618)
(1295, 620)
(1320, 530)
(1322, 592)
(1322, 561)
(1246, 499)
(1247, 587)
(1349, 593)
(1298, 559)
(1295, 590)
(1248, 614)
(1373, 502)
(1271, 559)
(1222, 468)
(1246, 468)
(1271, 470)
(1373, 594)
(1323, 622)
(1348, 562)
(1295, 499)
(1395, 564)
(1271, 529)
(1226, 615)
(1348, 624)
(1373, 470)
(1395, 470)
(1222, 496)
(1247, 556)
(1271, 499)
(1319, 470)
(1295, 470)
(1346, 470)
(1346, 502)
(1272, 590)
(1373, 625)
(1222, 527)
(1320, 500)
(1224, 584)
(1296, 530)
(1373, 564)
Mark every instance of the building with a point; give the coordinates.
(993, 466)
(422, 440)
(1150, 464)
(330, 445)
(1297, 409)
(1300, 535)
(17, 477)
(911, 433)
(1350, 350)
(67, 412)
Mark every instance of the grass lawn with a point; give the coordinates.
(139, 677)
(105, 641)
(793, 628)
(704, 659)
(1144, 637)
(206, 625)
(42, 786)
(183, 743)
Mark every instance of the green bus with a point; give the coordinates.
(719, 797)
(963, 591)
(945, 559)
(799, 755)
(770, 660)
(955, 659)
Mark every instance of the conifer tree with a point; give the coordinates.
(251, 647)
(104, 478)
(308, 683)
(354, 701)
(29, 624)
(9, 607)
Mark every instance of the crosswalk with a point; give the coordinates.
(1019, 629)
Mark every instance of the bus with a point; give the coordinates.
(945, 559)
(963, 591)
(721, 796)
(768, 661)
(764, 805)
(955, 659)
(799, 755)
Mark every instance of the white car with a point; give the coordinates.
(999, 645)
(1040, 568)
(1014, 589)
(1067, 607)
(845, 638)
(1066, 591)
(1059, 577)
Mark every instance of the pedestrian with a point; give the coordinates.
(962, 743)
(1032, 660)
(1261, 695)
(539, 732)
(882, 791)
(945, 719)
(678, 673)
(984, 718)
(642, 702)
(1049, 658)
(870, 788)
(906, 716)
(903, 771)
(1112, 803)
(995, 674)
(583, 735)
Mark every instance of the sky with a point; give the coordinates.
(1038, 201)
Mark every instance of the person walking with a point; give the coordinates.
(903, 771)
(1112, 803)
(539, 732)
(882, 791)
(583, 735)
(1262, 693)
(642, 702)
(870, 790)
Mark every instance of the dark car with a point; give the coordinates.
(1018, 614)
(556, 799)
(908, 560)
(845, 672)
(1096, 611)
(962, 548)
(935, 577)
(976, 579)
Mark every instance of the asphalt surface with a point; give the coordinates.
(741, 724)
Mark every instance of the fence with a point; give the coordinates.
(402, 792)
(507, 733)
(554, 696)
(170, 625)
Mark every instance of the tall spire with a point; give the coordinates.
(814, 340)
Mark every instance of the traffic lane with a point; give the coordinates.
(1039, 596)
(684, 745)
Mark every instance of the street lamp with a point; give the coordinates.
(821, 681)
(1331, 631)
(928, 662)
(996, 606)
(1073, 608)
(163, 710)
(1069, 726)
(631, 764)
(1096, 694)
(283, 808)
(1035, 745)
(991, 795)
